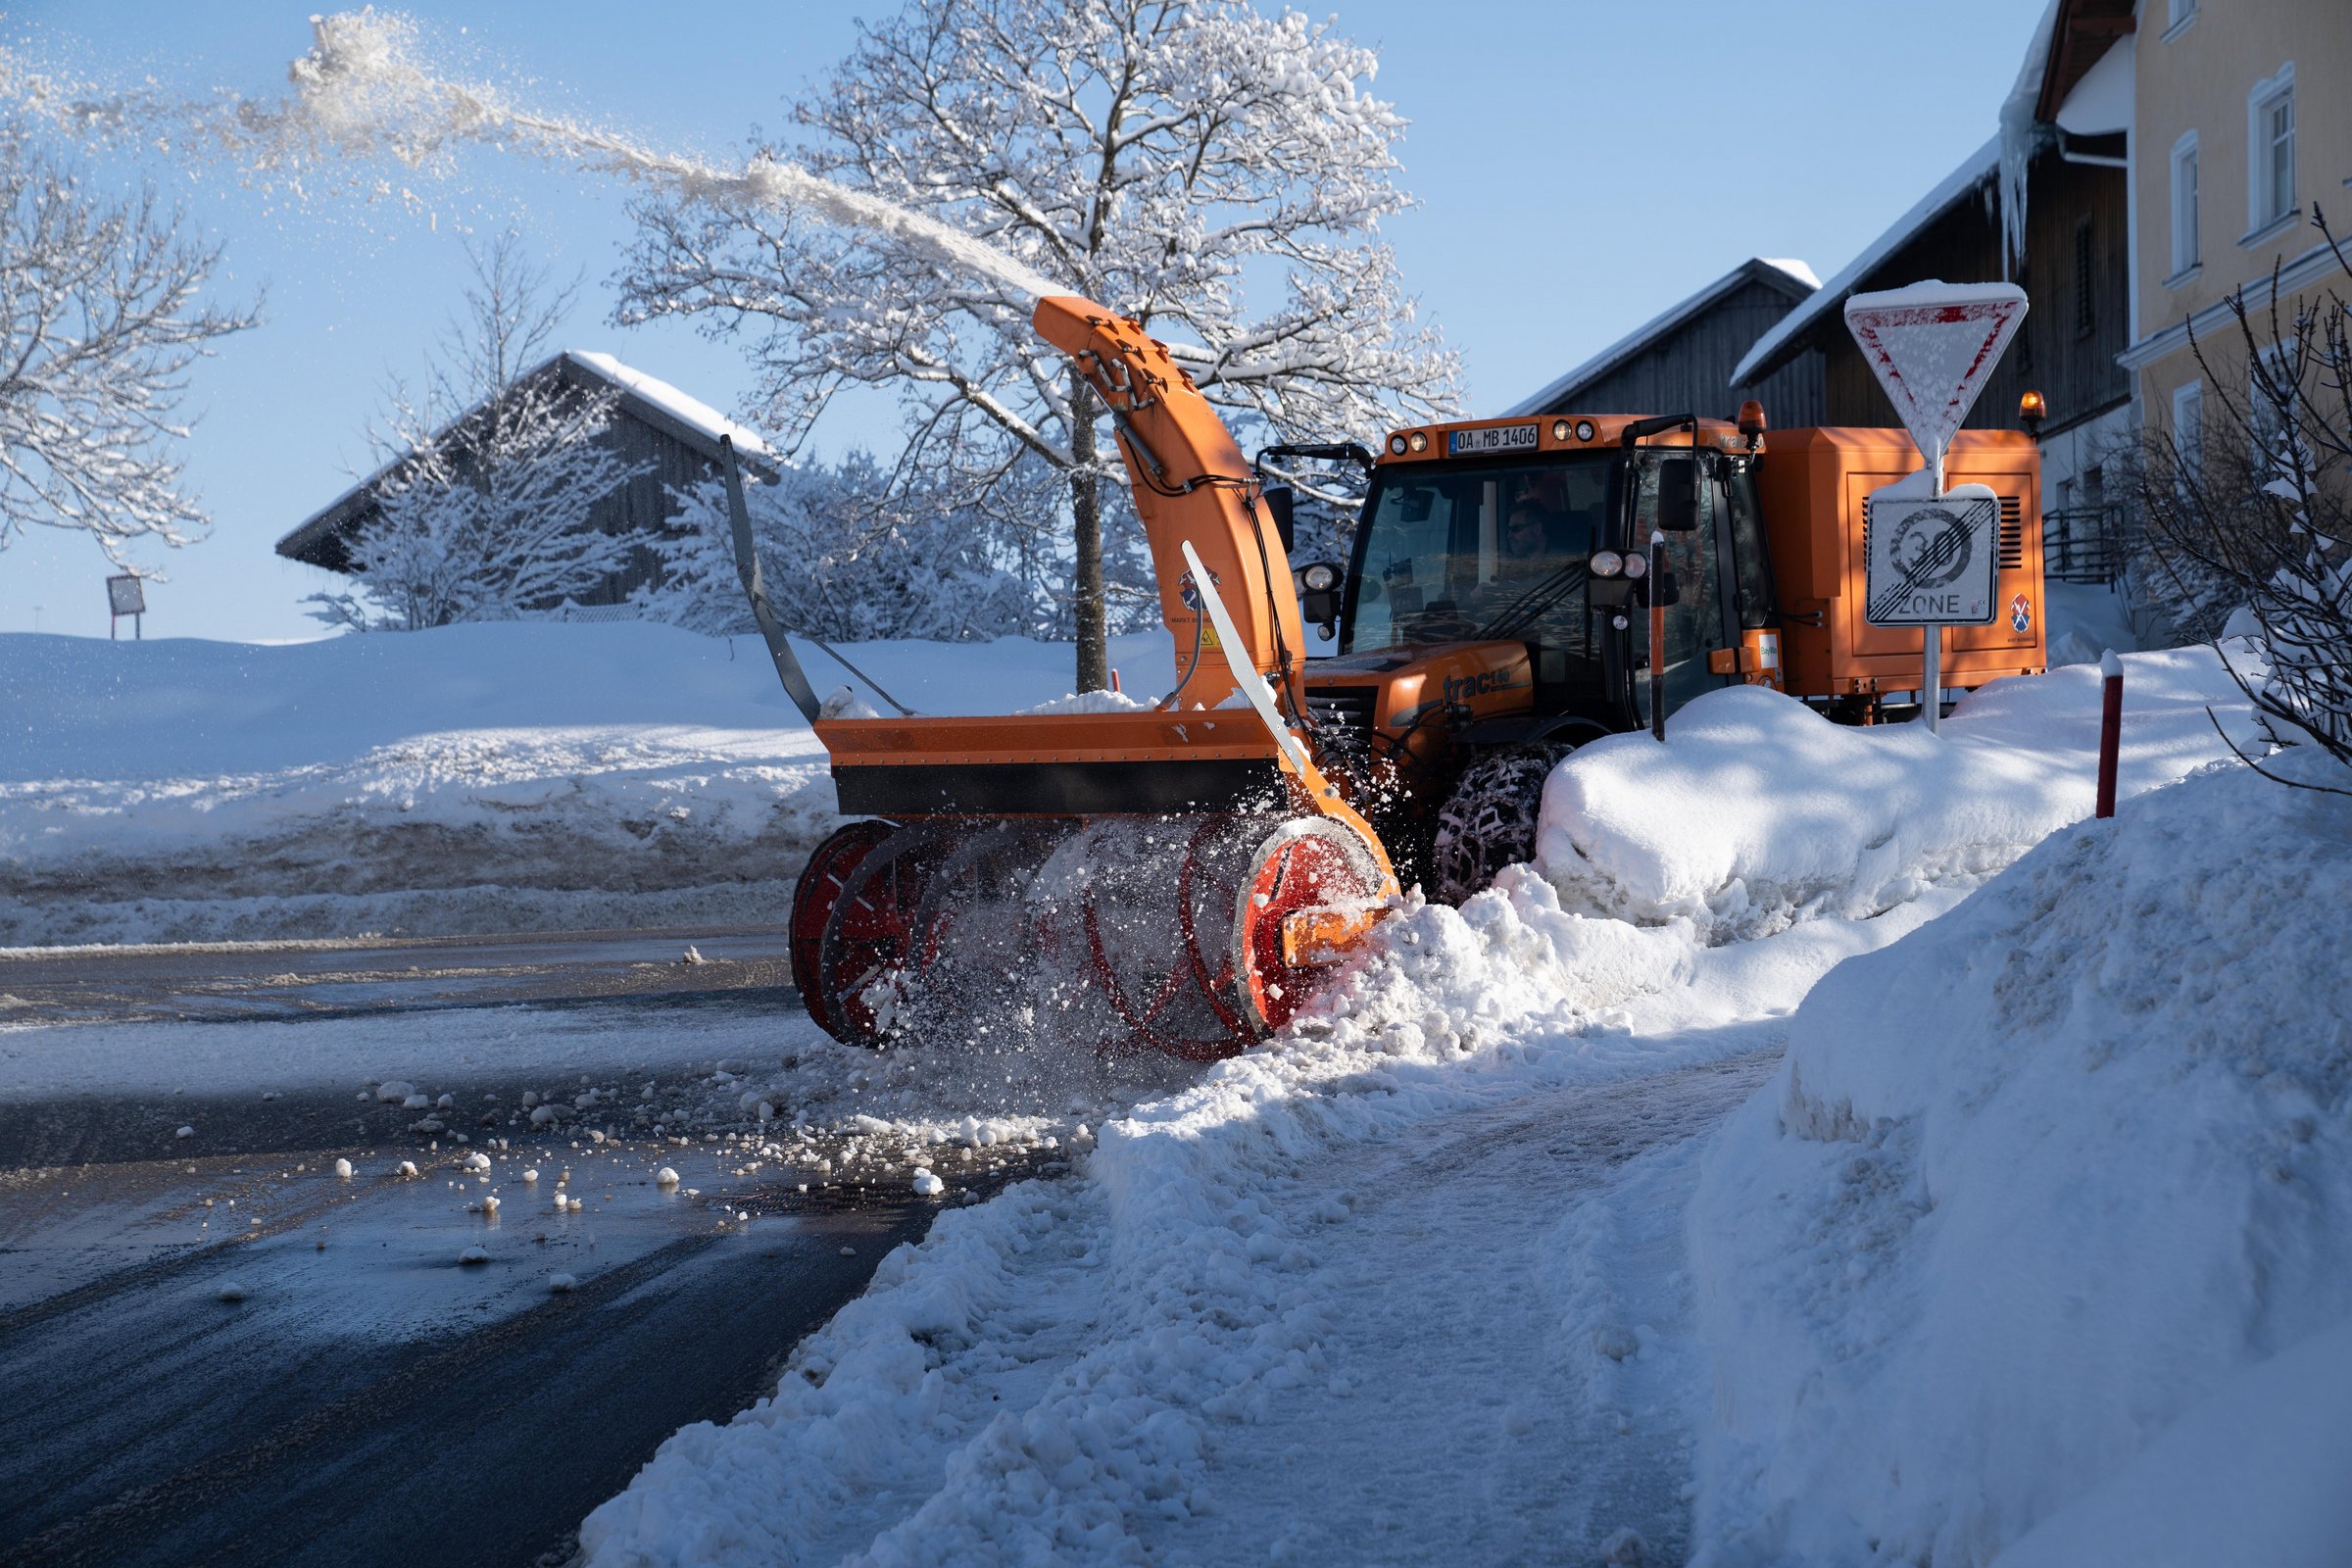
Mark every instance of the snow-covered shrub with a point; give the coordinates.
(2255, 516)
(845, 555)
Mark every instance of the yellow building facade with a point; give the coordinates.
(2242, 129)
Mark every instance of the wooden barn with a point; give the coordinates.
(671, 438)
(1680, 363)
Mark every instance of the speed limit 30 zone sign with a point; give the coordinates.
(1932, 561)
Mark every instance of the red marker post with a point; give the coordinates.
(2111, 729)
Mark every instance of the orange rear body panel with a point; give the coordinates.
(1812, 484)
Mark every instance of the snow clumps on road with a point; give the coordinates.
(2045, 1207)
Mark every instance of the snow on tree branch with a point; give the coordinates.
(1218, 175)
(99, 324)
(484, 510)
(2250, 519)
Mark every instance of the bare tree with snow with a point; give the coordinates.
(1217, 175)
(100, 319)
(492, 470)
(2252, 524)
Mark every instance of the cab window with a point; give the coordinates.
(1472, 550)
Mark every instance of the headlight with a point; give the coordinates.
(1607, 562)
(1397, 445)
(1584, 429)
(1321, 578)
(1419, 440)
(1636, 564)
(1560, 429)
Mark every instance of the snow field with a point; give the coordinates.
(2040, 1222)
(599, 774)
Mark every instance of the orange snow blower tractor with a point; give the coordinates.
(1178, 876)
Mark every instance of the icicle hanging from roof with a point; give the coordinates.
(2021, 138)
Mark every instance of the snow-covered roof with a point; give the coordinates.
(1777, 344)
(1794, 271)
(648, 398)
(690, 411)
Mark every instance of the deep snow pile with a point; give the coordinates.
(512, 776)
(1757, 814)
(2054, 1194)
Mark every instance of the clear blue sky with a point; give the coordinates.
(1579, 167)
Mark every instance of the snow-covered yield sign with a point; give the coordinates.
(1932, 561)
(1933, 346)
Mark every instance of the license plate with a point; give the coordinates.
(1493, 438)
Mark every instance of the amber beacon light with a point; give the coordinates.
(2031, 412)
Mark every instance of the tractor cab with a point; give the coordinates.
(1500, 586)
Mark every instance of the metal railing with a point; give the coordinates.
(2083, 544)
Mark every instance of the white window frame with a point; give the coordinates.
(2179, 15)
(2187, 246)
(2260, 213)
(2188, 426)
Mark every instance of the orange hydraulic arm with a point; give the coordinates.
(1190, 483)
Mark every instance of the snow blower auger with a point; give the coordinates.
(1174, 878)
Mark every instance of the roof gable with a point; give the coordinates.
(646, 399)
(1775, 346)
(1787, 275)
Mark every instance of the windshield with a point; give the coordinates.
(1471, 550)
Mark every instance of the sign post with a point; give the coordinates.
(125, 596)
(1933, 346)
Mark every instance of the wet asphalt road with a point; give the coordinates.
(371, 1399)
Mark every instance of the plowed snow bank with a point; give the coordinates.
(1756, 813)
(2032, 1184)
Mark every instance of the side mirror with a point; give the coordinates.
(1278, 505)
(1678, 496)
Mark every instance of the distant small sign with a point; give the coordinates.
(124, 595)
(1932, 561)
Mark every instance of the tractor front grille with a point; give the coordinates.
(1342, 714)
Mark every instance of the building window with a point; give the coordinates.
(2189, 427)
(2085, 294)
(2271, 150)
(2185, 254)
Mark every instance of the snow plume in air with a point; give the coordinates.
(366, 88)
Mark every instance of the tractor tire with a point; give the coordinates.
(1489, 821)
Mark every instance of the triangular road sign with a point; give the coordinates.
(1933, 346)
